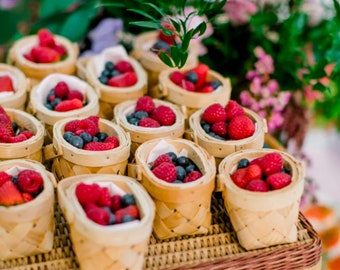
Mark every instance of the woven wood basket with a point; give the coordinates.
(27, 229)
(121, 246)
(143, 134)
(152, 64)
(70, 161)
(189, 102)
(39, 93)
(29, 149)
(220, 148)
(38, 71)
(20, 84)
(111, 96)
(181, 209)
(262, 219)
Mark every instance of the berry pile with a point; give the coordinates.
(195, 80)
(6, 84)
(120, 74)
(262, 174)
(10, 132)
(146, 114)
(47, 50)
(85, 134)
(62, 99)
(165, 40)
(227, 123)
(175, 169)
(106, 209)
(20, 188)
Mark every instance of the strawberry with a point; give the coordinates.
(98, 146)
(87, 193)
(15, 139)
(72, 126)
(214, 113)
(240, 127)
(123, 80)
(205, 89)
(46, 38)
(75, 94)
(219, 128)
(104, 197)
(30, 181)
(86, 125)
(164, 115)
(61, 90)
(279, 180)
(69, 105)
(145, 104)
(241, 177)
(166, 171)
(123, 66)
(148, 122)
(202, 72)
(116, 202)
(161, 159)
(27, 197)
(6, 84)
(257, 185)
(4, 177)
(44, 55)
(97, 214)
(177, 77)
(170, 39)
(192, 176)
(113, 140)
(253, 171)
(131, 210)
(60, 49)
(9, 194)
(187, 85)
(233, 109)
(6, 127)
(271, 163)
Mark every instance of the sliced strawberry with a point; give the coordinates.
(44, 54)
(6, 84)
(202, 72)
(4, 177)
(46, 38)
(10, 195)
(123, 80)
(69, 105)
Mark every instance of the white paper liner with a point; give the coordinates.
(114, 54)
(163, 147)
(14, 82)
(51, 81)
(15, 170)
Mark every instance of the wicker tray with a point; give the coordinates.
(217, 250)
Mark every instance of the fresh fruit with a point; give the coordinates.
(44, 55)
(257, 185)
(233, 109)
(149, 123)
(87, 125)
(30, 181)
(104, 197)
(177, 77)
(164, 115)
(240, 127)
(69, 105)
(116, 202)
(131, 210)
(46, 38)
(219, 128)
(279, 180)
(10, 195)
(27, 197)
(214, 113)
(124, 66)
(98, 146)
(168, 34)
(61, 90)
(87, 193)
(120, 74)
(128, 199)
(165, 171)
(270, 163)
(243, 176)
(97, 214)
(4, 177)
(161, 159)
(6, 84)
(113, 140)
(123, 80)
(145, 104)
(192, 176)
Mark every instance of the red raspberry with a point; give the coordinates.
(9, 194)
(16, 139)
(46, 38)
(72, 126)
(166, 171)
(87, 193)
(69, 105)
(257, 185)
(60, 49)
(104, 197)
(86, 125)
(164, 115)
(177, 77)
(27, 197)
(161, 159)
(124, 66)
(44, 55)
(4, 177)
(279, 180)
(271, 163)
(116, 202)
(214, 113)
(123, 80)
(131, 210)
(241, 177)
(240, 127)
(97, 214)
(219, 128)
(94, 119)
(75, 94)
(61, 90)
(192, 176)
(187, 85)
(148, 122)
(145, 104)
(28, 134)
(98, 146)
(30, 181)
(112, 139)
(233, 109)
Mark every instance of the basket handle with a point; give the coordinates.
(162, 90)
(134, 171)
(52, 179)
(219, 180)
(50, 151)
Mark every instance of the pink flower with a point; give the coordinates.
(252, 74)
(265, 64)
(239, 11)
(273, 86)
(312, 95)
(255, 86)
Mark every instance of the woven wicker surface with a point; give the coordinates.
(217, 250)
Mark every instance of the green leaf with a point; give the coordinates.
(176, 25)
(140, 12)
(184, 57)
(263, 18)
(147, 24)
(48, 7)
(160, 11)
(175, 55)
(200, 29)
(165, 58)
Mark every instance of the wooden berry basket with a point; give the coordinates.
(181, 209)
(21, 85)
(262, 219)
(38, 71)
(28, 229)
(30, 148)
(39, 93)
(121, 246)
(110, 96)
(152, 64)
(222, 148)
(143, 134)
(70, 161)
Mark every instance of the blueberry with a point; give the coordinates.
(67, 136)
(133, 120)
(15, 179)
(55, 102)
(215, 84)
(77, 141)
(173, 156)
(101, 136)
(243, 163)
(103, 79)
(105, 73)
(15, 126)
(113, 219)
(128, 199)
(192, 77)
(161, 46)
(95, 139)
(50, 94)
(214, 135)
(285, 170)
(86, 137)
(140, 114)
(48, 106)
(127, 218)
(114, 73)
(183, 161)
(205, 126)
(181, 173)
(190, 168)
(109, 65)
